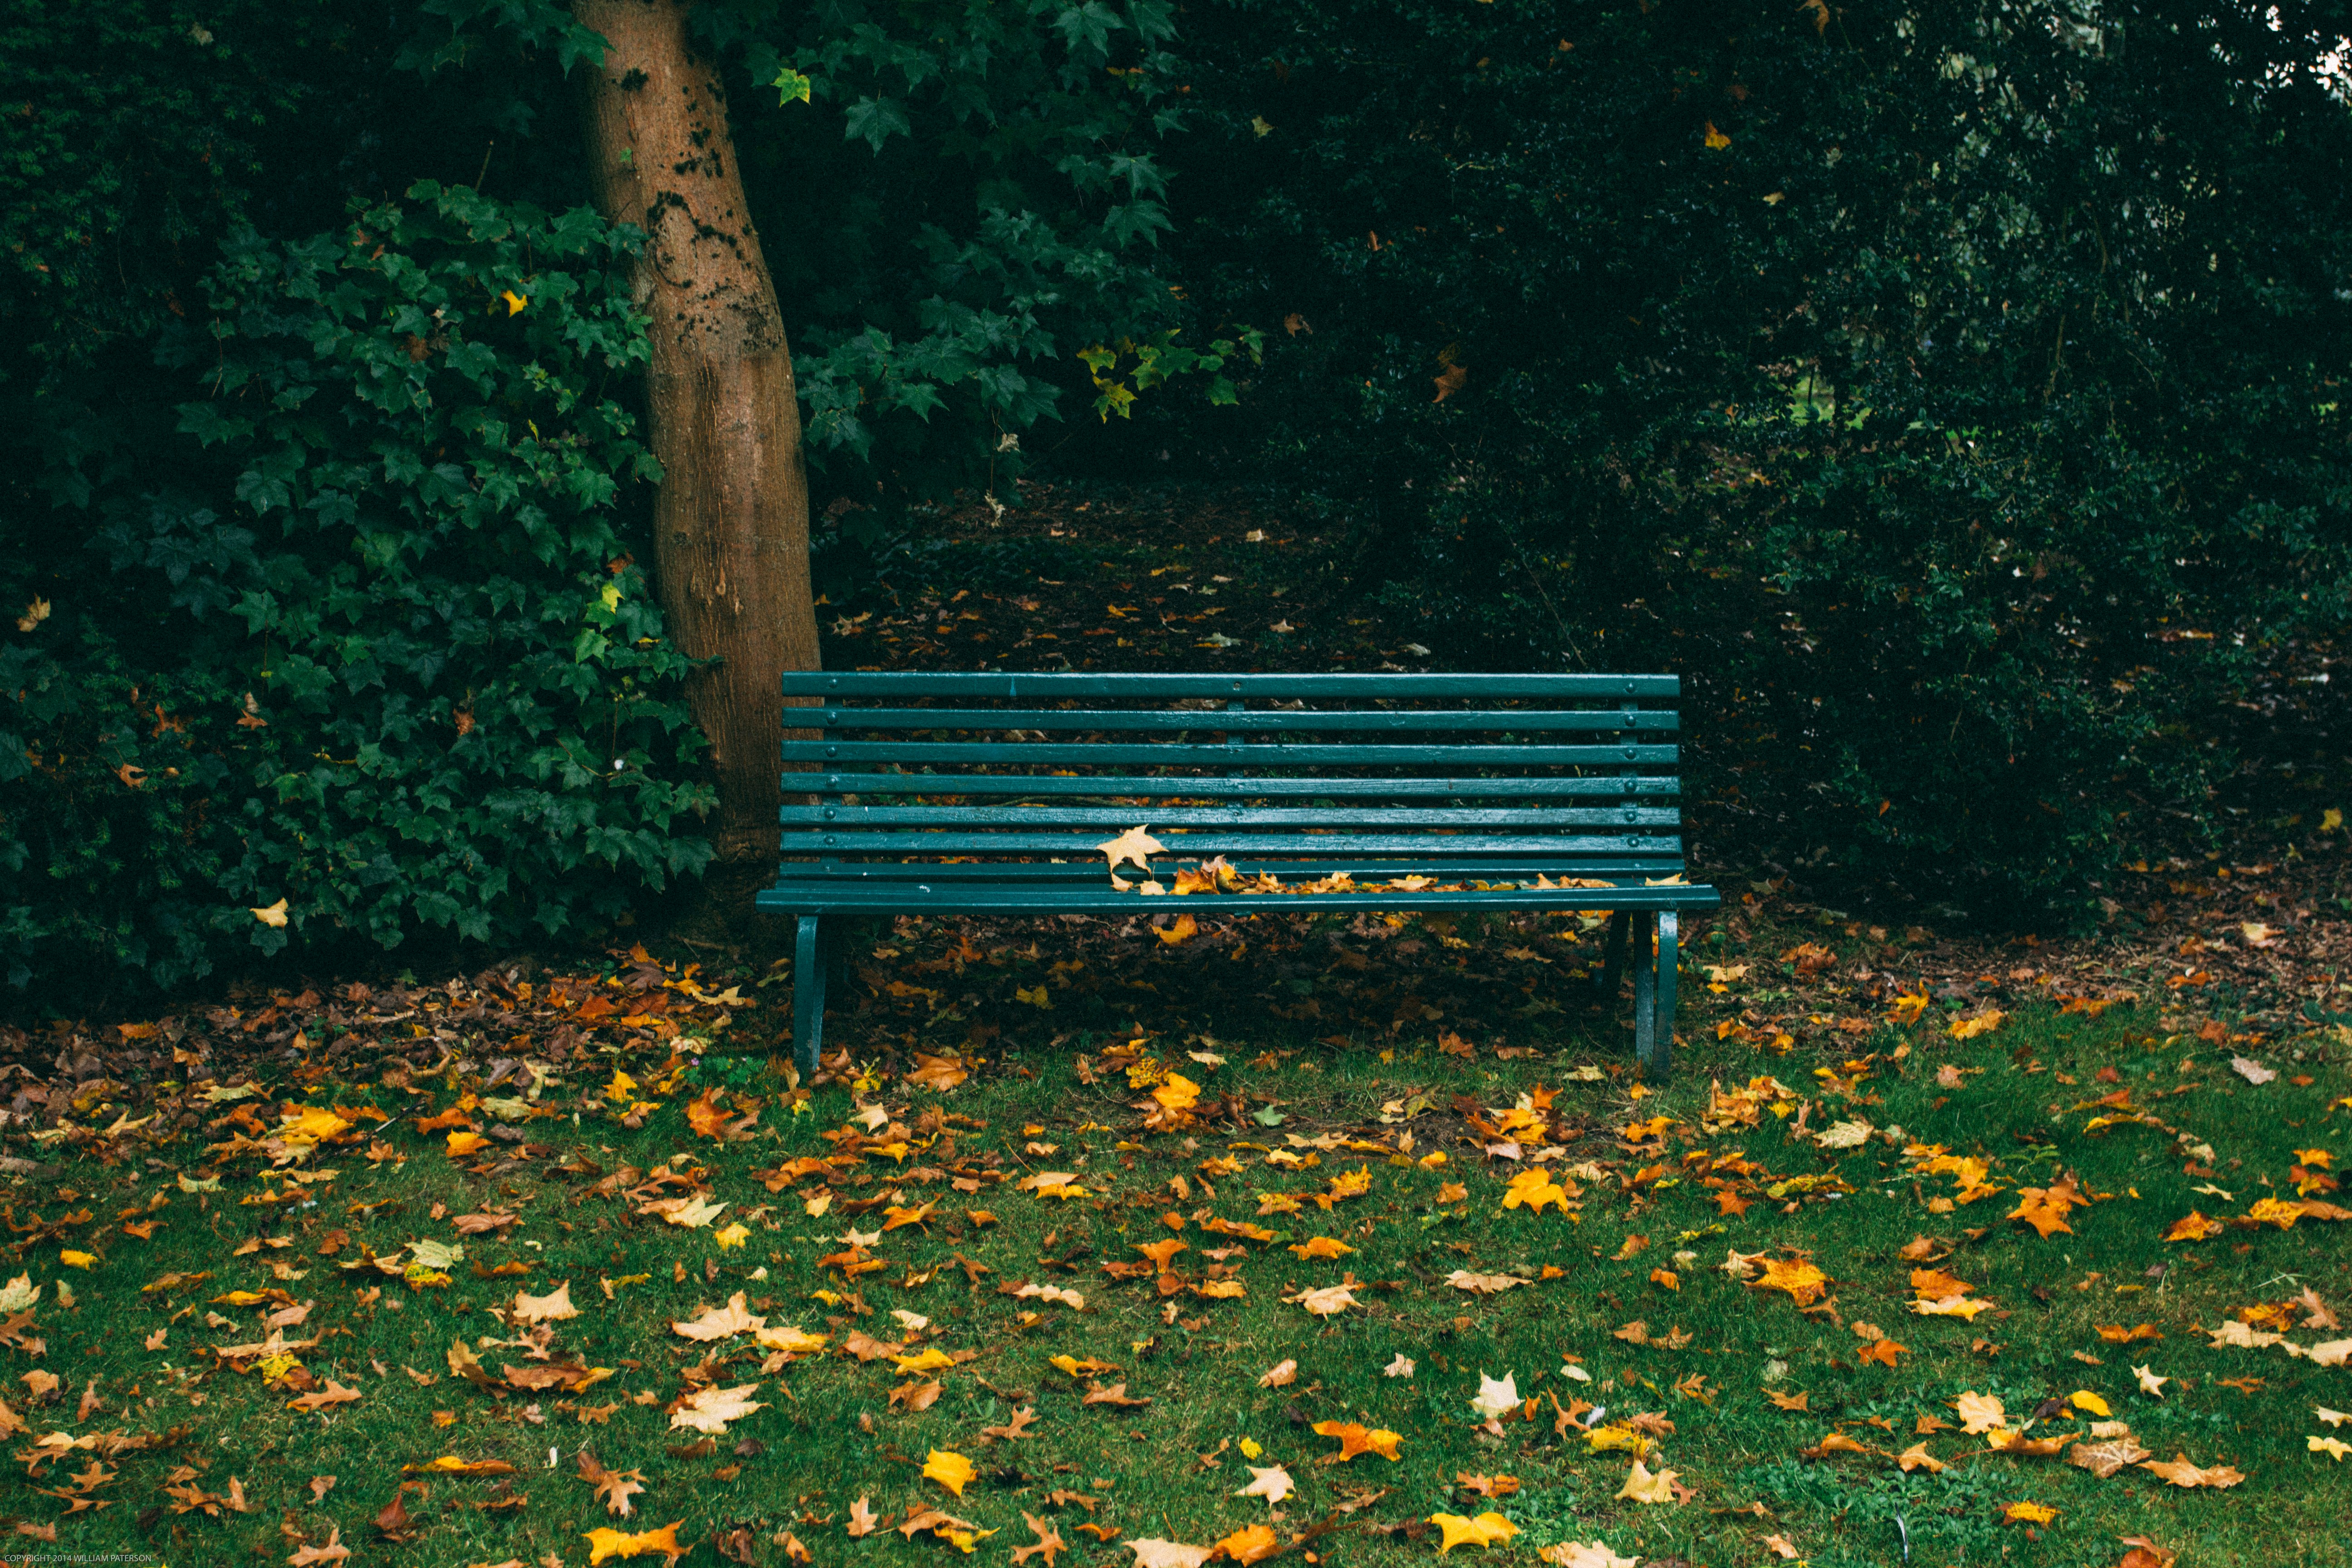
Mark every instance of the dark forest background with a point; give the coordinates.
(1954, 394)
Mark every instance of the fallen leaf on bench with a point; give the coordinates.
(1136, 843)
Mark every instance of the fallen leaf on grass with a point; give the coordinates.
(333, 1552)
(1278, 1374)
(1641, 1486)
(1585, 1554)
(709, 1409)
(1485, 1530)
(2103, 1459)
(1272, 1483)
(1355, 1440)
(608, 1543)
(1049, 1540)
(2181, 1473)
(950, 1468)
(1169, 1553)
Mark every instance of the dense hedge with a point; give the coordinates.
(361, 642)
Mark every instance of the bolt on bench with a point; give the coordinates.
(992, 793)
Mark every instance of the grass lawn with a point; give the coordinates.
(1653, 1301)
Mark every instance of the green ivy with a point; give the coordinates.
(378, 647)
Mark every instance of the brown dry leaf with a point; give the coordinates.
(555, 1307)
(334, 1551)
(1049, 1540)
(2181, 1473)
(1800, 1401)
(1116, 1393)
(719, 1323)
(861, 1521)
(1486, 1486)
(1278, 1374)
(615, 1486)
(1018, 1427)
(320, 1487)
(1917, 1457)
(2103, 1459)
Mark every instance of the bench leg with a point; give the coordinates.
(808, 997)
(1646, 993)
(1612, 959)
(1658, 1049)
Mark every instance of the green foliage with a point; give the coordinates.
(956, 198)
(372, 643)
(1954, 394)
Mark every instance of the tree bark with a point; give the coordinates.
(730, 523)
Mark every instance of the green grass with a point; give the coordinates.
(830, 1434)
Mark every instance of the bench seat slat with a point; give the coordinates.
(1117, 816)
(1367, 688)
(805, 897)
(1168, 785)
(1209, 842)
(1250, 721)
(1634, 868)
(1249, 755)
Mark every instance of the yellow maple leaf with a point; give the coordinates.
(270, 915)
(1136, 843)
(1485, 1530)
(2028, 1513)
(950, 1468)
(1802, 1281)
(78, 1259)
(1355, 1440)
(605, 1542)
(1716, 139)
(1641, 1486)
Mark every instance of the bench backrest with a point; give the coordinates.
(1023, 775)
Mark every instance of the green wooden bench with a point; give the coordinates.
(992, 793)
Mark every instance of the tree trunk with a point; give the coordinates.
(730, 525)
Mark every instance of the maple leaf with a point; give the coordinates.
(950, 1468)
(1484, 1284)
(552, 1308)
(1496, 1396)
(2028, 1513)
(1272, 1483)
(1641, 1486)
(1078, 1368)
(2195, 1227)
(1154, 1554)
(2044, 1209)
(1019, 1427)
(1486, 1486)
(1049, 1540)
(938, 1074)
(1585, 1554)
(2150, 1383)
(1137, 845)
(1917, 1457)
(2116, 1334)
(1401, 1367)
(708, 1410)
(1320, 1246)
(2181, 1473)
(334, 1394)
(1952, 1307)
(1798, 1277)
(861, 1521)
(1326, 1302)
(1278, 1374)
(1979, 1412)
(719, 1323)
(1355, 1440)
(1115, 1394)
(1791, 1401)
(2334, 1447)
(1534, 1189)
(2103, 1459)
(615, 1486)
(1485, 1530)
(609, 1543)
(333, 1552)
